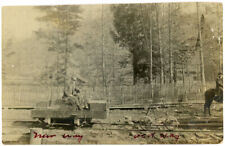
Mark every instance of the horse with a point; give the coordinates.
(210, 95)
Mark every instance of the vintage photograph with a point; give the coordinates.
(140, 73)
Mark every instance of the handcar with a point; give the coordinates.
(58, 112)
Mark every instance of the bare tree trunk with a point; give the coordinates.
(201, 52)
(66, 56)
(147, 45)
(150, 55)
(189, 78)
(219, 45)
(170, 49)
(121, 91)
(174, 73)
(57, 69)
(103, 63)
(134, 70)
(160, 48)
(111, 85)
(113, 64)
(57, 62)
(183, 74)
(164, 73)
(65, 63)
(97, 71)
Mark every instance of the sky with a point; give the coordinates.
(20, 22)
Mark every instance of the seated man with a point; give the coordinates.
(72, 94)
(71, 97)
(82, 100)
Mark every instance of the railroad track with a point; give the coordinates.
(162, 127)
(23, 136)
(124, 106)
(19, 127)
(204, 124)
(197, 123)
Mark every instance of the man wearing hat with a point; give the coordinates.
(71, 94)
(219, 88)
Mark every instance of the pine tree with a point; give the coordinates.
(64, 21)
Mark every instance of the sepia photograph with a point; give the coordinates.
(131, 73)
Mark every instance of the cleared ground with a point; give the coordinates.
(183, 123)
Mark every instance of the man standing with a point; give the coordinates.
(219, 88)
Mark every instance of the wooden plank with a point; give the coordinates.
(128, 106)
(202, 120)
(202, 125)
(54, 113)
(18, 107)
(50, 113)
(91, 114)
(139, 107)
(97, 106)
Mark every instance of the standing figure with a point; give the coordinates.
(219, 88)
(214, 94)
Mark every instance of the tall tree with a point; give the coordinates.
(219, 38)
(131, 24)
(132, 31)
(159, 41)
(103, 62)
(64, 21)
(170, 48)
(151, 44)
(200, 25)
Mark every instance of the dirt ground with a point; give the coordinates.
(178, 124)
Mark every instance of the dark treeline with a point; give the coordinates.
(130, 43)
(163, 39)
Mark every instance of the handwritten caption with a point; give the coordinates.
(77, 136)
(154, 135)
